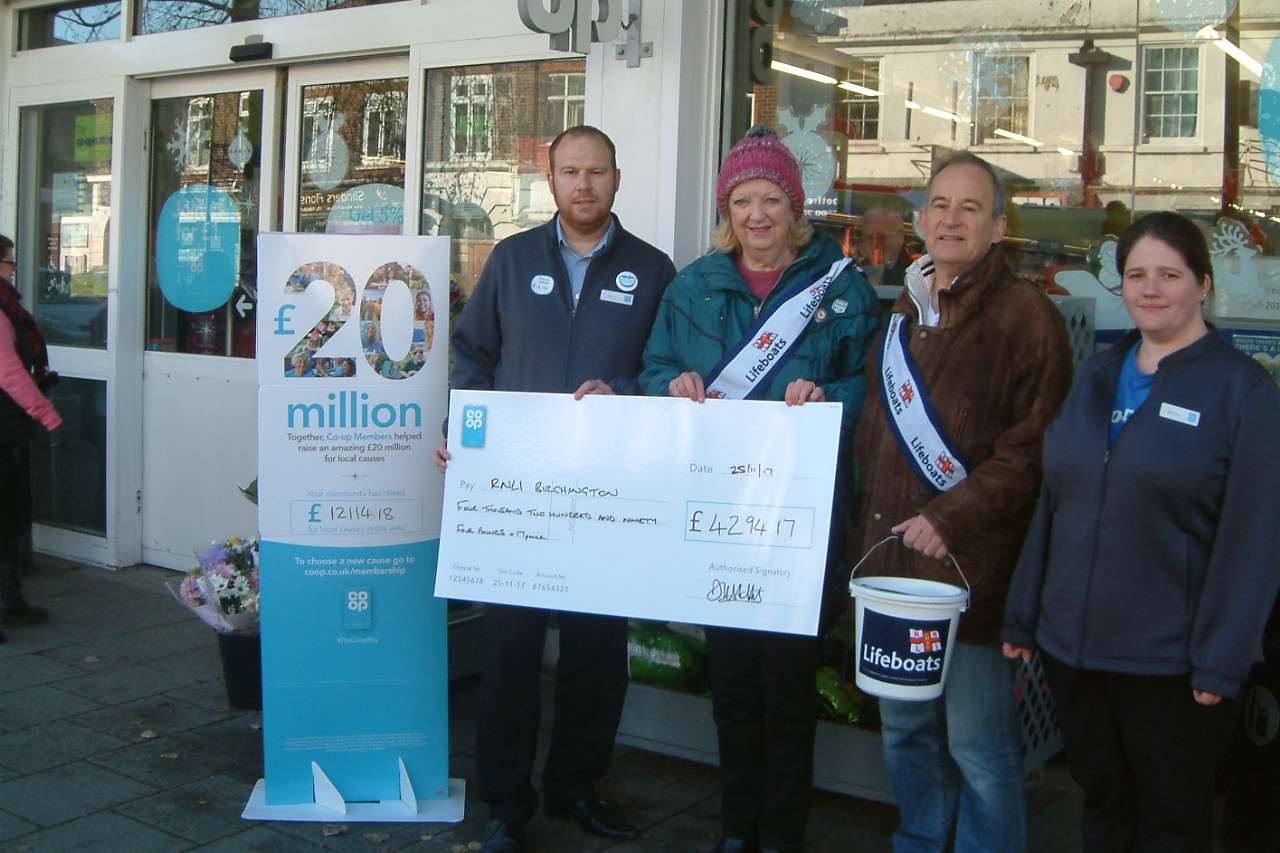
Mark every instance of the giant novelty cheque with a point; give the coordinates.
(352, 369)
(657, 508)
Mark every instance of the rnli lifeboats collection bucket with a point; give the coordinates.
(905, 630)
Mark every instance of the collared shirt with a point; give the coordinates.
(577, 264)
(921, 288)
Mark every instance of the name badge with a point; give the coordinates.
(542, 284)
(1190, 417)
(615, 296)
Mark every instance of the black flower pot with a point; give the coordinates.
(242, 670)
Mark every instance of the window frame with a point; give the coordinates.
(471, 102)
(1144, 135)
(978, 60)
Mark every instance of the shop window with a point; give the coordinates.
(860, 100)
(471, 98)
(203, 214)
(352, 157)
(1001, 97)
(68, 23)
(64, 218)
(163, 16)
(1170, 92)
(563, 103)
(384, 117)
(486, 134)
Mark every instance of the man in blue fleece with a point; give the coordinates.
(563, 308)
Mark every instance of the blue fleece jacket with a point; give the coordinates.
(1162, 556)
(520, 331)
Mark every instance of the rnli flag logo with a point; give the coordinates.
(925, 642)
(946, 464)
(766, 340)
(907, 393)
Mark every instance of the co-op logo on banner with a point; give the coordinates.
(903, 651)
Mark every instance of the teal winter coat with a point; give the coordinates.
(709, 308)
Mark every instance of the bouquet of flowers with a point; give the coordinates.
(223, 589)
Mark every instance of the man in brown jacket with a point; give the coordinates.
(959, 476)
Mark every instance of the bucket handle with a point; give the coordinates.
(897, 536)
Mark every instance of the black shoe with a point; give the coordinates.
(503, 836)
(735, 845)
(595, 816)
(17, 615)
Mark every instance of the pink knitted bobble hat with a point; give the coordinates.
(761, 154)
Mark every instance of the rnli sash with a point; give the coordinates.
(913, 420)
(750, 365)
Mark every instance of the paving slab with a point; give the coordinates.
(209, 695)
(29, 670)
(11, 826)
(64, 793)
(35, 705)
(53, 744)
(649, 788)
(123, 684)
(159, 715)
(261, 839)
(201, 811)
(107, 652)
(103, 832)
(365, 837)
(202, 663)
(180, 636)
(166, 762)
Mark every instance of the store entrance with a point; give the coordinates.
(319, 148)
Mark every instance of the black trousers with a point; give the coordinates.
(762, 697)
(15, 520)
(591, 687)
(1145, 753)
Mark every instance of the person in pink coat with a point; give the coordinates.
(24, 375)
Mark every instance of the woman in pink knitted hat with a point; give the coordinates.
(761, 282)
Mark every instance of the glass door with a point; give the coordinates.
(213, 186)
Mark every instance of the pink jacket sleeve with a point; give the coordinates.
(18, 384)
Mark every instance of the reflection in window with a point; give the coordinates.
(70, 481)
(480, 199)
(203, 215)
(352, 157)
(317, 132)
(1111, 76)
(163, 16)
(384, 118)
(564, 100)
(1000, 96)
(1170, 92)
(198, 133)
(71, 23)
(860, 100)
(64, 218)
(471, 98)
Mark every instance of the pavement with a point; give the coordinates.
(115, 734)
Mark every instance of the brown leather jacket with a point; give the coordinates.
(996, 367)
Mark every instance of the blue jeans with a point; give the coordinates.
(956, 761)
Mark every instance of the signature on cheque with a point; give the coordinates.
(744, 592)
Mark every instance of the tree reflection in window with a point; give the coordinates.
(162, 16)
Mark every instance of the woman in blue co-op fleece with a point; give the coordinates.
(1151, 563)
